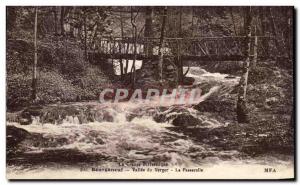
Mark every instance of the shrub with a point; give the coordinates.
(52, 87)
(260, 75)
(93, 82)
(18, 91)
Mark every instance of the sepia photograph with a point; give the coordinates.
(150, 92)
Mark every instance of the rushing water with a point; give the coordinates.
(134, 135)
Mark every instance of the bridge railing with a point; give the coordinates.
(197, 46)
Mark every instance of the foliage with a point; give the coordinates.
(19, 56)
(259, 75)
(65, 34)
(18, 90)
(52, 87)
(64, 74)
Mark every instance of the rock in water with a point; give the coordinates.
(188, 81)
(185, 120)
(222, 107)
(14, 136)
(108, 117)
(33, 110)
(27, 113)
(242, 112)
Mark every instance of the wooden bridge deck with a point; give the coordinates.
(93, 55)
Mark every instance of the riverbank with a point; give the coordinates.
(130, 131)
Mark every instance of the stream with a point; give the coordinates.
(132, 133)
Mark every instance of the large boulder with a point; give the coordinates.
(14, 136)
(188, 81)
(186, 120)
(220, 107)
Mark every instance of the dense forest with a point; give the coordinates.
(59, 56)
(64, 34)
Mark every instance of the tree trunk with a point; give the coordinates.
(95, 34)
(120, 45)
(180, 64)
(11, 17)
(73, 11)
(127, 62)
(148, 32)
(233, 22)
(290, 33)
(262, 18)
(242, 112)
(255, 49)
(134, 34)
(55, 20)
(62, 20)
(193, 21)
(34, 75)
(274, 28)
(85, 36)
(161, 45)
(180, 22)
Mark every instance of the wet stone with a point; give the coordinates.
(15, 135)
(184, 120)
